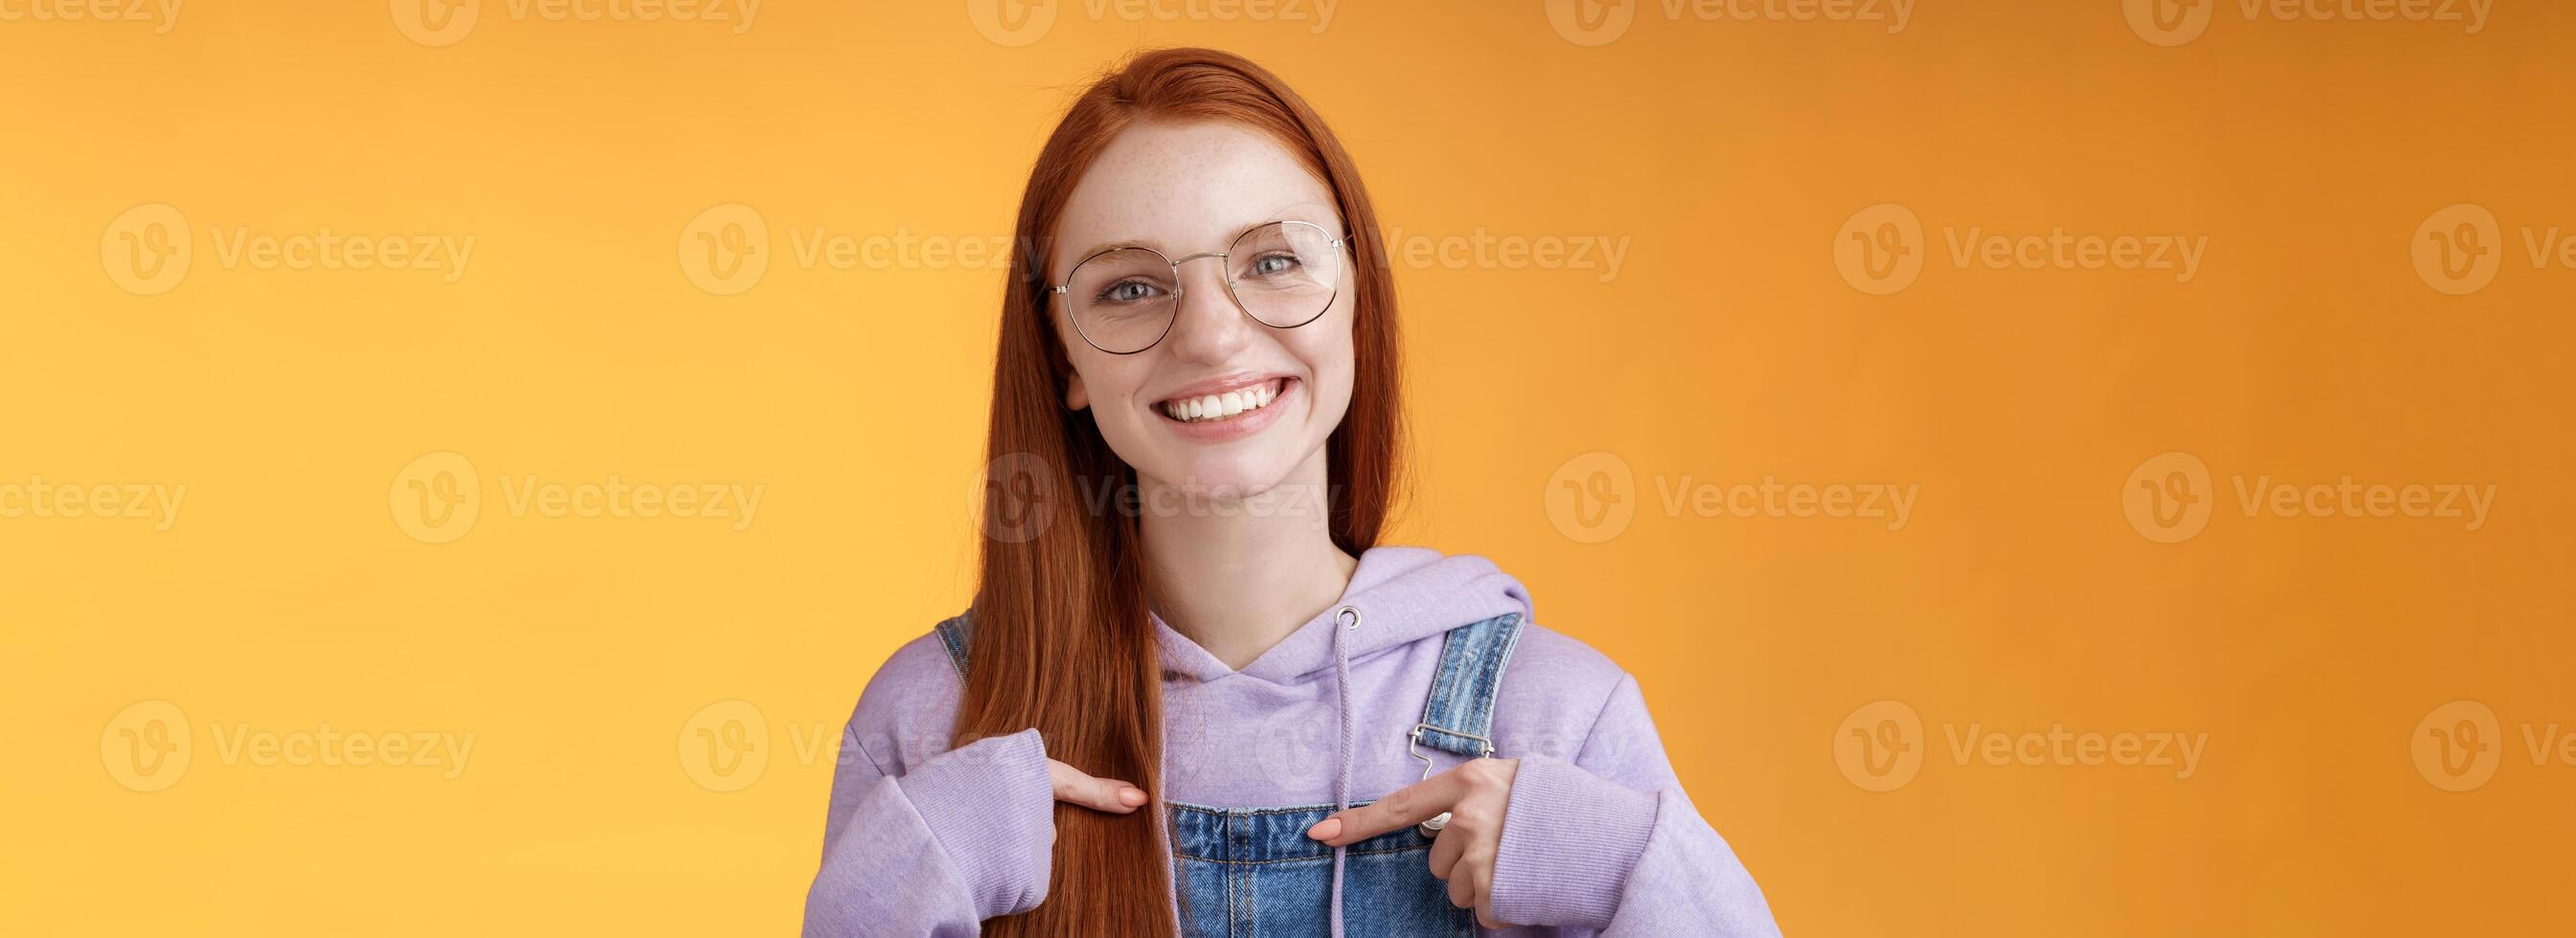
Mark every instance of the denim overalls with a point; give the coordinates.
(1244, 872)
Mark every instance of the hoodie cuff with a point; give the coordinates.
(1570, 839)
(991, 807)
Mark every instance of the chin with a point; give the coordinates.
(1225, 478)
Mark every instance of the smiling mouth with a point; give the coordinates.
(1217, 408)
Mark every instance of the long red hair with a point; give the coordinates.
(1062, 641)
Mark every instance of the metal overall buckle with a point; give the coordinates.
(1412, 747)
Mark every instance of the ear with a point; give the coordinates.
(1075, 398)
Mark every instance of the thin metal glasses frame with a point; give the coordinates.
(1065, 289)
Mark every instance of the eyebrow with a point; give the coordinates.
(1120, 246)
(1133, 243)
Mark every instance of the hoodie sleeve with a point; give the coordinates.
(1609, 842)
(934, 849)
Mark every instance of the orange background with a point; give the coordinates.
(294, 589)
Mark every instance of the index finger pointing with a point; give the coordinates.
(1073, 786)
(1405, 807)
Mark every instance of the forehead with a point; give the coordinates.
(1182, 188)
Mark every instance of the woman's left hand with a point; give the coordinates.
(1475, 794)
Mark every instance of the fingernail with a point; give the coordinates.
(1131, 797)
(1325, 829)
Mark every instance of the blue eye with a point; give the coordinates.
(1273, 263)
(1126, 291)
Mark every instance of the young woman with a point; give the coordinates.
(1193, 694)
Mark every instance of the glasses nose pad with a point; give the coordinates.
(1224, 273)
(1223, 294)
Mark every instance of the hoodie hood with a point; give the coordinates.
(1341, 692)
(1402, 595)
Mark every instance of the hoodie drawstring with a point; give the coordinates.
(1345, 619)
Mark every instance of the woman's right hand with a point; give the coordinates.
(1074, 787)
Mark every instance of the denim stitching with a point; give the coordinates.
(1325, 857)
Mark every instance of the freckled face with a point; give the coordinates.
(1191, 188)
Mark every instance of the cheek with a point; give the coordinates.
(1330, 371)
(1106, 380)
(1110, 383)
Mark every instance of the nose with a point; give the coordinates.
(1207, 327)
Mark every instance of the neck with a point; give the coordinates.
(1238, 576)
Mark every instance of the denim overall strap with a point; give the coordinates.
(953, 635)
(1459, 717)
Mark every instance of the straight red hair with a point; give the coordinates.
(1062, 640)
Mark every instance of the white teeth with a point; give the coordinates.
(1221, 406)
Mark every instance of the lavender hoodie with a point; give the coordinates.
(1598, 837)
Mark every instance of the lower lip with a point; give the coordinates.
(1242, 425)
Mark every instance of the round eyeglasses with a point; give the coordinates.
(1282, 274)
